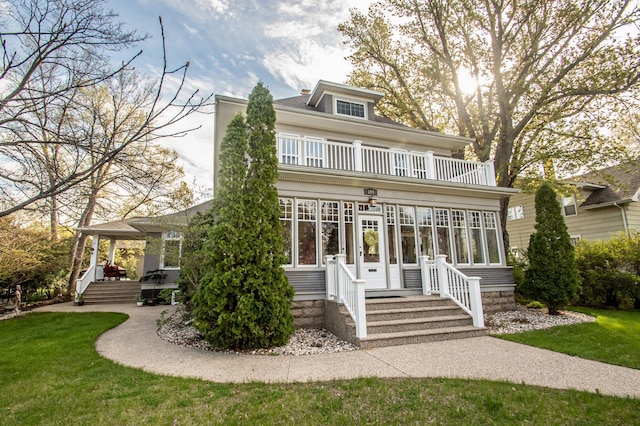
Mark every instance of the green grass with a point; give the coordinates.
(613, 338)
(50, 374)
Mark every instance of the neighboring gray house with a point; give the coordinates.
(605, 203)
(379, 195)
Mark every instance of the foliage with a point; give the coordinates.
(552, 276)
(64, 345)
(165, 296)
(244, 299)
(613, 338)
(193, 262)
(534, 304)
(610, 272)
(530, 83)
(28, 257)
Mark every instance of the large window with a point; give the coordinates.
(353, 109)
(460, 236)
(349, 232)
(286, 220)
(491, 230)
(330, 217)
(391, 234)
(425, 231)
(307, 223)
(477, 242)
(442, 233)
(171, 250)
(407, 234)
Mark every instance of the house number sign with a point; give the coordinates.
(369, 191)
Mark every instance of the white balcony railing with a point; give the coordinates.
(320, 153)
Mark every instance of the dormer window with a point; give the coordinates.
(353, 109)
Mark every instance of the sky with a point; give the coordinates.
(231, 45)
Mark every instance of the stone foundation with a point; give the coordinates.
(493, 301)
(335, 321)
(308, 313)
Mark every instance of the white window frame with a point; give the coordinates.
(350, 101)
(169, 236)
(515, 213)
(567, 202)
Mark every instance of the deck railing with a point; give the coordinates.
(320, 153)
(347, 290)
(444, 279)
(83, 282)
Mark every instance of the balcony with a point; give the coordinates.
(323, 154)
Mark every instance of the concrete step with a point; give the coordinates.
(420, 336)
(408, 313)
(413, 324)
(112, 292)
(406, 302)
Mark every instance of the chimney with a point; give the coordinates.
(305, 92)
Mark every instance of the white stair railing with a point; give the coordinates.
(83, 282)
(346, 289)
(444, 279)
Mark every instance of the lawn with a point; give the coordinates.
(613, 338)
(51, 374)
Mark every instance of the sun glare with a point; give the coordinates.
(468, 83)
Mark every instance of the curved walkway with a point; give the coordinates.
(136, 344)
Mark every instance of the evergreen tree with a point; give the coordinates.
(244, 299)
(552, 277)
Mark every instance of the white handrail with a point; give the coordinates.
(83, 282)
(321, 153)
(441, 277)
(347, 290)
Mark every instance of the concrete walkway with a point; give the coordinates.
(136, 344)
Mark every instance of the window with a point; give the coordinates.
(171, 250)
(569, 207)
(348, 231)
(491, 229)
(425, 231)
(307, 223)
(460, 236)
(407, 234)
(442, 232)
(330, 217)
(515, 213)
(350, 108)
(391, 234)
(477, 242)
(286, 220)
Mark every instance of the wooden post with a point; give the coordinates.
(360, 310)
(442, 275)
(426, 275)
(357, 145)
(340, 260)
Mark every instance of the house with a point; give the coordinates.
(604, 203)
(388, 205)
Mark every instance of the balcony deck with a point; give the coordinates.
(323, 154)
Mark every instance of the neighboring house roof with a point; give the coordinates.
(136, 227)
(616, 184)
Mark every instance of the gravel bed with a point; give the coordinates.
(524, 319)
(176, 329)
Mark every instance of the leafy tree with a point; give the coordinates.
(29, 258)
(193, 264)
(244, 300)
(552, 276)
(528, 81)
(53, 53)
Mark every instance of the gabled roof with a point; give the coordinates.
(323, 86)
(616, 184)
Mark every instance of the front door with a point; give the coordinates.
(372, 252)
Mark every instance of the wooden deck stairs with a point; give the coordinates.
(413, 319)
(112, 292)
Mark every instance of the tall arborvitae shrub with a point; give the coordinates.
(552, 276)
(244, 300)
